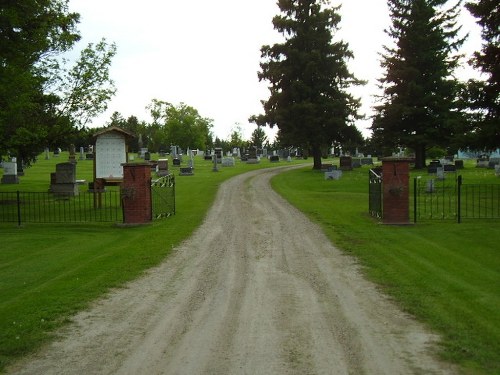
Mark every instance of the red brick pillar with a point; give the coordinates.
(396, 190)
(136, 193)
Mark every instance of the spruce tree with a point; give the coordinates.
(308, 79)
(483, 96)
(418, 106)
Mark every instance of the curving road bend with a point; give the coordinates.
(258, 289)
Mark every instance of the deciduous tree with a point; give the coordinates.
(41, 102)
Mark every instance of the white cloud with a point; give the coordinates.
(207, 53)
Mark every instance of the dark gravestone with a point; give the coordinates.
(186, 171)
(346, 163)
(65, 180)
(176, 162)
(433, 166)
(10, 173)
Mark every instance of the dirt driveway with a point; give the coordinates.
(258, 289)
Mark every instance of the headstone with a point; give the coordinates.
(333, 175)
(10, 173)
(173, 151)
(429, 188)
(433, 166)
(497, 170)
(65, 180)
(346, 163)
(162, 168)
(218, 154)
(482, 163)
(440, 173)
(72, 153)
(82, 154)
(47, 154)
(176, 162)
(228, 162)
(493, 162)
(147, 156)
(459, 164)
(274, 158)
(186, 171)
(56, 152)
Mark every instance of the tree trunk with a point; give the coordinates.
(316, 151)
(420, 157)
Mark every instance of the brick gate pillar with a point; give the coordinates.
(396, 190)
(136, 193)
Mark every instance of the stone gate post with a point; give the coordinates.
(396, 190)
(136, 193)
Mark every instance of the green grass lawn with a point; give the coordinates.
(50, 271)
(446, 274)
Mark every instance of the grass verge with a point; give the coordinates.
(445, 274)
(48, 272)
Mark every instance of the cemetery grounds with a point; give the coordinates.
(443, 273)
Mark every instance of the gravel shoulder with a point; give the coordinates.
(257, 289)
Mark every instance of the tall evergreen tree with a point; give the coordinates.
(309, 78)
(483, 97)
(418, 105)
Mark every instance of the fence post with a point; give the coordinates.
(415, 200)
(18, 208)
(459, 202)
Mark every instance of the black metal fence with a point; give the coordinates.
(163, 197)
(451, 199)
(375, 193)
(45, 207)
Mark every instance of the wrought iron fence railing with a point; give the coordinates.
(375, 193)
(44, 207)
(451, 199)
(163, 197)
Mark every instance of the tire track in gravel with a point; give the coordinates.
(257, 289)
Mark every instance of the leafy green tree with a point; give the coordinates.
(31, 33)
(236, 138)
(180, 125)
(483, 96)
(42, 103)
(85, 89)
(418, 107)
(308, 78)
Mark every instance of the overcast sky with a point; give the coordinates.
(207, 53)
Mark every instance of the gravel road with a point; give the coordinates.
(258, 289)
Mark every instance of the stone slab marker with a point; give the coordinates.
(136, 193)
(396, 183)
